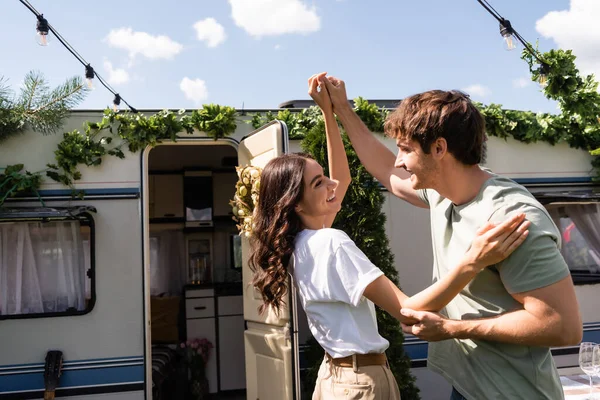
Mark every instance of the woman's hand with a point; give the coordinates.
(317, 89)
(493, 244)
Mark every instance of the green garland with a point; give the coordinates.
(14, 181)
(110, 136)
(578, 124)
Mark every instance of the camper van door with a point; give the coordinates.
(269, 343)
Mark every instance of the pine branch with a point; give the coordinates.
(61, 100)
(11, 116)
(43, 109)
(32, 94)
(6, 95)
(50, 109)
(34, 86)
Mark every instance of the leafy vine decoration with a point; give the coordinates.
(115, 133)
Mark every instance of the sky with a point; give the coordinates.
(258, 54)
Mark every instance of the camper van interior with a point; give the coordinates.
(195, 266)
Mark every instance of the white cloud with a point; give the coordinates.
(142, 43)
(477, 90)
(194, 89)
(116, 76)
(521, 82)
(576, 29)
(274, 17)
(277, 47)
(210, 31)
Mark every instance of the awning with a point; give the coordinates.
(44, 213)
(579, 195)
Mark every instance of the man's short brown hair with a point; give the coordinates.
(451, 115)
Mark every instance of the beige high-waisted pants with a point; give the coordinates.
(372, 382)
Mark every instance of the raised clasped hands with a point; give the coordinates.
(317, 89)
(328, 92)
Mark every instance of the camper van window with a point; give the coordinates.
(46, 268)
(579, 224)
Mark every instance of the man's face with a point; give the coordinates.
(422, 167)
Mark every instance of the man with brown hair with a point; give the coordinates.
(493, 340)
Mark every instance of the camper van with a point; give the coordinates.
(99, 294)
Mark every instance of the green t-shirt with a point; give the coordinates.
(481, 369)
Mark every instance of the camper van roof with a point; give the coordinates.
(381, 103)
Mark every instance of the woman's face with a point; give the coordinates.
(318, 198)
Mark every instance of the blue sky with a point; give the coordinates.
(260, 52)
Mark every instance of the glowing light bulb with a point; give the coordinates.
(42, 39)
(507, 33)
(89, 75)
(116, 102)
(42, 30)
(509, 43)
(543, 74)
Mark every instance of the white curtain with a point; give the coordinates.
(168, 272)
(581, 222)
(587, 220)
(42, 267)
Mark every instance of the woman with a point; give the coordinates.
(336, 282)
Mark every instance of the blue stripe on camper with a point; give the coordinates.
(67, 363)
(416, 349)
(591, 334)
(90, 192)
(85, 373)
(74, 378)
(574, 179)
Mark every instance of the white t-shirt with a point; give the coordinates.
(331, 275)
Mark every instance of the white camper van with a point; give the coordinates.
(150, 258)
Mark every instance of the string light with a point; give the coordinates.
(89, 75)
(43, 29)
(116, 102)
(543, 74)
(509, 34)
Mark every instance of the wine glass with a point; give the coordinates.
(586, 361)
(596, 359)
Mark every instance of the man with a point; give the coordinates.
(493, 340)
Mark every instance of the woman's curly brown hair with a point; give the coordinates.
(276, 225)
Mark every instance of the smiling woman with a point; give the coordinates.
(319, 197)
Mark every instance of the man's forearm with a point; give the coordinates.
(517, 327)
(373, 154)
